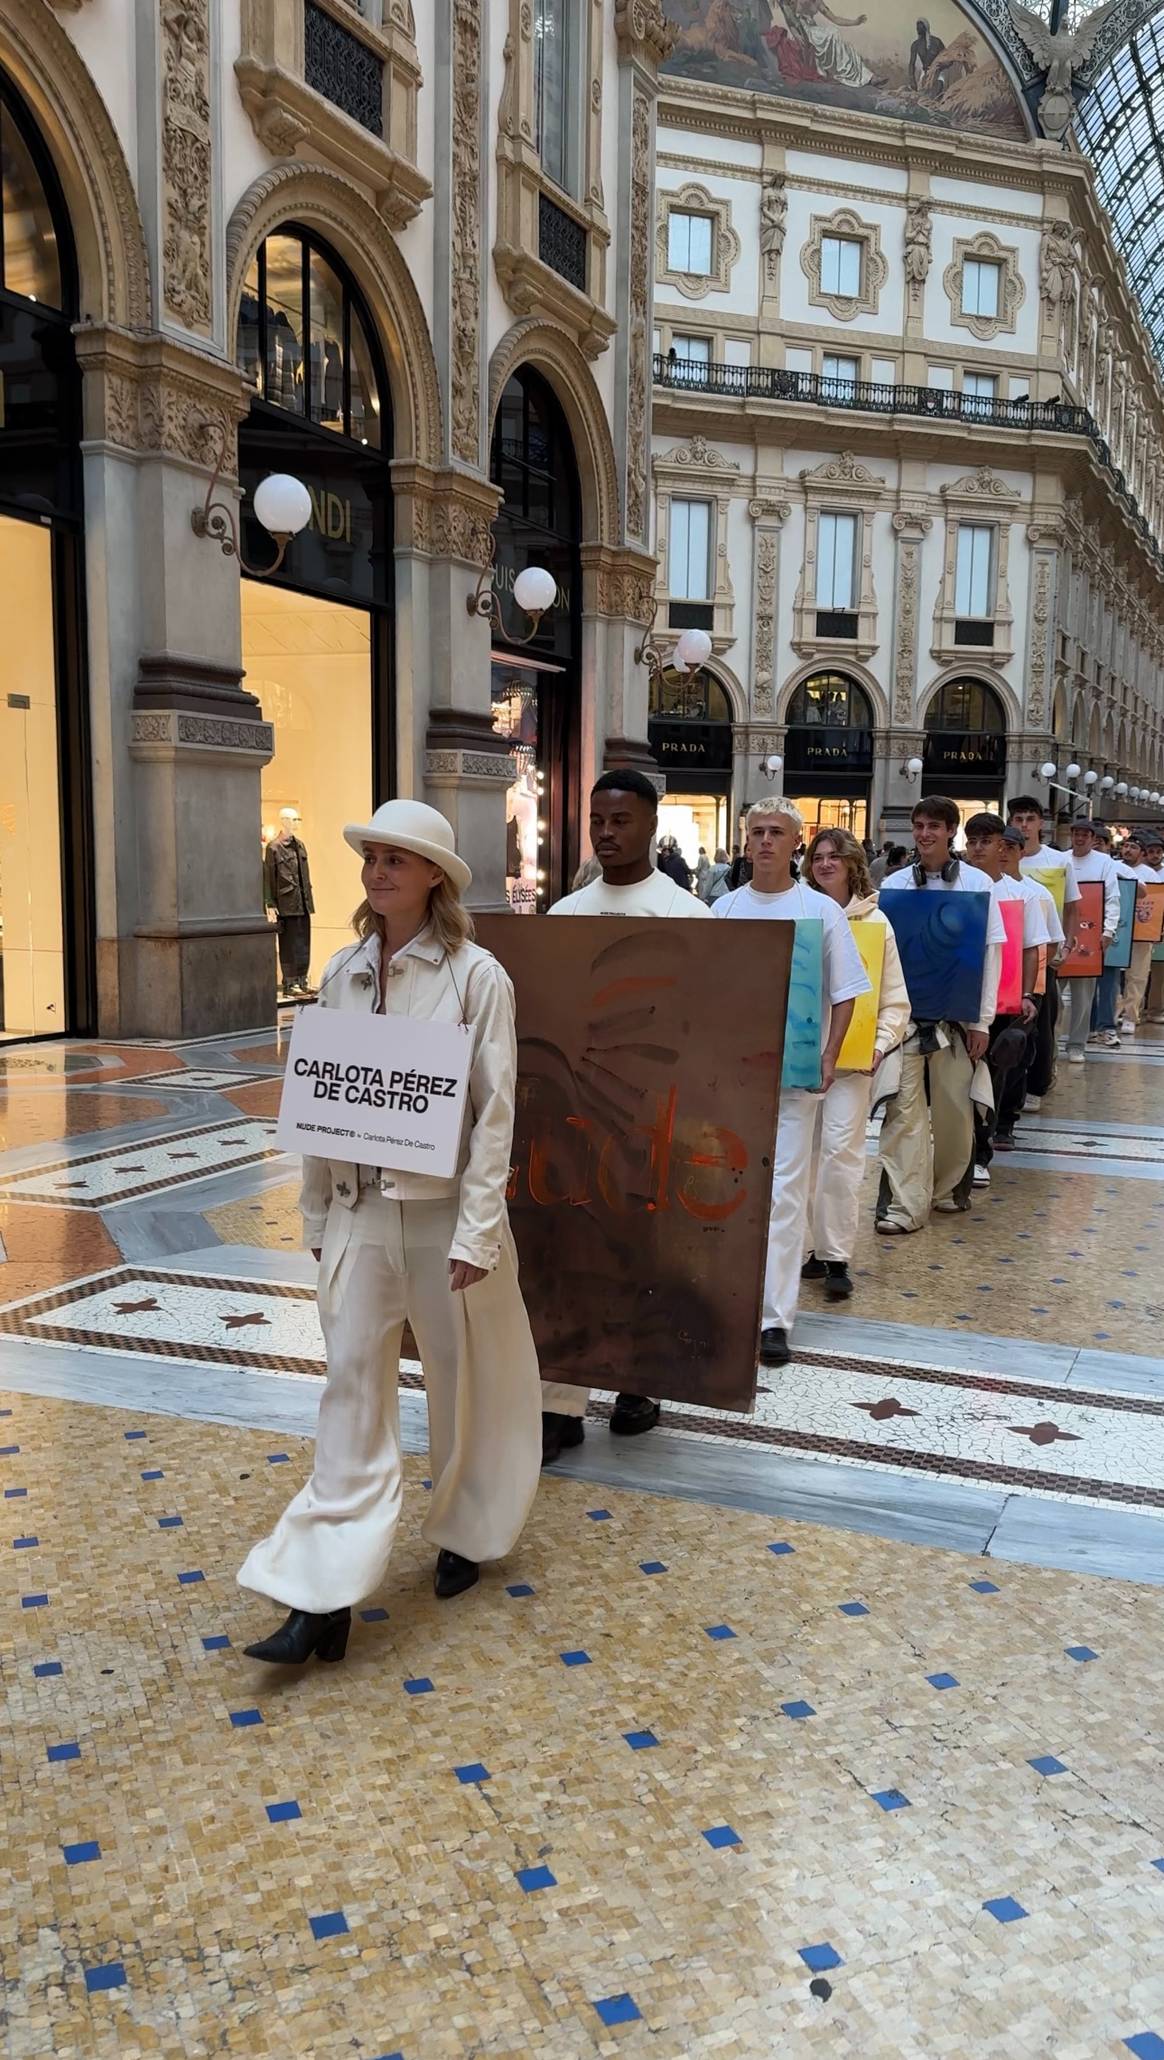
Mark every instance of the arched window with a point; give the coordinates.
(967, 705)
(35, 250)
(305, 339)
(689, 697)
(832, 700)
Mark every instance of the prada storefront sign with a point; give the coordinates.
(828, 750)
(691, 746)
(968, 752)
(346, 550)
(520, 544)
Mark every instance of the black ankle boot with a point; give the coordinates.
(454, 1574)
(302, 1635)
(813, 1268)
(838, 1284)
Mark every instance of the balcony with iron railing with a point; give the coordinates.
(928, 403)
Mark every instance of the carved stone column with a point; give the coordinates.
(768, 517)
(183, 948)
(644, 39)
(617, 594)
(1046, 541)
(910, 530)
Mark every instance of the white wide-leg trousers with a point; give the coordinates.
(834, 1207)
(791, 1186)
(383, 1262)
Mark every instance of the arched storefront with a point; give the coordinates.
(318, 638)
(536, 687)
(46, 956)
(964, 753)
(828, 752)
(690, 734)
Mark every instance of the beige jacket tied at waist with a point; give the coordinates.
(424, 982)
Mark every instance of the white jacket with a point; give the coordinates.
(424, 981)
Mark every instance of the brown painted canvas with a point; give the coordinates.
(649, 1061)
(911, 62)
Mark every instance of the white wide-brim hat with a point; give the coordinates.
(413, 826)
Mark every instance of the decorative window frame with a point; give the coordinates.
(844, 222)
(286, 113)
(1012, 291)
(695, 471)
(980, 497)
(530, 286)
(842, 485)
(725, 244)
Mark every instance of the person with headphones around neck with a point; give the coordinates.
(395, 1246)
(927, 1151)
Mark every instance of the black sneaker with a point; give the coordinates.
(559, 1433)
(774, 1348)
(634, 1414)
(813, 1268)
(838, 1286)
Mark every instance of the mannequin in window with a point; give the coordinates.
(287, 890)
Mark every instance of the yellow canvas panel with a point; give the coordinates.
(857, 1049)
(1054, 879)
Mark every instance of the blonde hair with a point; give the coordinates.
(449, 919)
(850, 851)
(777, 805)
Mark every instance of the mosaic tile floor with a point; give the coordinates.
(678, 1779)
(662, 1773)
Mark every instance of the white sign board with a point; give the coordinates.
(376, 1090)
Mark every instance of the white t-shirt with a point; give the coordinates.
(844, 975)
(967, 880)
(657, 895)
(1098, 866)
(1048, 859)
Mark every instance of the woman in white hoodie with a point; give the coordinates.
(395, 1246)
(835, 864)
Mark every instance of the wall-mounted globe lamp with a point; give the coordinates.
(282, 505)
(535, 590)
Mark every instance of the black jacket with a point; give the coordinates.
(287, 878)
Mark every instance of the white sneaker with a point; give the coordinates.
(1110, 1041)
(1076, 1058)
(1128, 1027)
(951, 1208)
(1033, 1101)
(981, 1176)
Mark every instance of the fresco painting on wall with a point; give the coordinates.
(891, 60)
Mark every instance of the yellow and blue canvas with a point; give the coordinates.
(1054, 879)
(942, 942)
(1118, 956)
(802, 1029)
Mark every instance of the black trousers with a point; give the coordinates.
(1041, 1072)
(294, 949)
(1006, 1054)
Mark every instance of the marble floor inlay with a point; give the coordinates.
(99, 1180)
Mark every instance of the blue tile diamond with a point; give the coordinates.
(155, 1474)
(169, 1523)
(1146, 2045)
(520, 1588)
(245, 1720)
(190, 1579)
(852, 1609)
(218, 1643)
(599, 1516)
(574, 1659)
(721, 1835)
(34, 1602)
(942, 1680)
(24, 1544)
(421, 1686)
(892, 1799)
(284, 1812)
(69, 1751)
(798, 1709)
(985, 1588)
(640, 1741)
(533, 1878)
(373, 1616)
(652, 1566)
(1047, 1764)
(112, 1975)
(781, 1547)
(76, 1855)
(1005, 1908)
(618, 2010)
(820, 1958)
(46, 1668)
(332, 1924)
(719, 1631)
(469, 1776)
(1080, 1652)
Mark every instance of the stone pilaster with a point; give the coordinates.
(768, 517)
(644, 39)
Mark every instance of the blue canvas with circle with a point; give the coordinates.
(941, 938)
(802, 1029)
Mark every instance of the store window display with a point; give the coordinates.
(690, 733)
(288, 897)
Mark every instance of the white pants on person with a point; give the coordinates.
(791, 1185)
(926, 1151)
(383, 1262)
(563, 1401)
(1080, 995)
(835, 1192)
(1136, 981)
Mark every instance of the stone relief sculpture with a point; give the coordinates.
(186, 257)
(919, 242)
(1060, 55)
(773, 221)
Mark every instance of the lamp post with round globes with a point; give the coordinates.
(535, 590)
(282, 505)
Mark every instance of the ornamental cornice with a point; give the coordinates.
(643, 31)
(151, 395)
(696, 456)
(773, 512)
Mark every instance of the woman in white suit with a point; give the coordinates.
(394, 1246)
(836, 865)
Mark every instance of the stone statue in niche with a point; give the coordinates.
(773, 220)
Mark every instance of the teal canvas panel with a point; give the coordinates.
(802, 1032)
(1118, 955)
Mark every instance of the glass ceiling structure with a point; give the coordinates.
(1120, 125)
